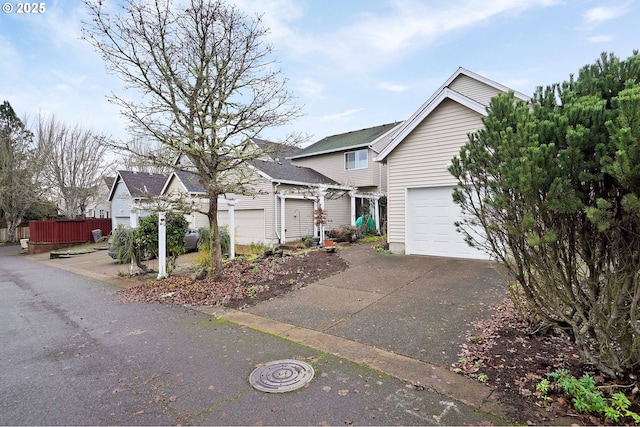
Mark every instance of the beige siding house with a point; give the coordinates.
(279, 210)
(100, 206)
(421, 212)
(347, 158)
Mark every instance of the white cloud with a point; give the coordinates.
(276, 15)
(602, 38)
(310, 88)
(377, 39)
(340, 116)
(392, 87)
(599, 14)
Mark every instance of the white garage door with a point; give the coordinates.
(431, 214)
(124, 220)
(249, 225)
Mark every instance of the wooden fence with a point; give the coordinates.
(21, 233)
(67, 231)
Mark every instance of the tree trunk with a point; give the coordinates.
(217, 271)
(12, 226)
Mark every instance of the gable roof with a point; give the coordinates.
(443, 93)
(108, 181)
(346, 141)
(285, 171)
(140, 184)
(190, 181)
(273, 171)
(275, 150)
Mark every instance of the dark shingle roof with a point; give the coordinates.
(108, 181)
(143, 184)
(277, 151)
(285, 171)
(191, 181)
(358, 138)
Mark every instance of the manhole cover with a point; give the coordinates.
(281, 376)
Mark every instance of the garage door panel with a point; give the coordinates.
(431, 230)
(249, 225)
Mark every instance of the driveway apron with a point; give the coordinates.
(417, 306)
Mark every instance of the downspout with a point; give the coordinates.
(275, 212)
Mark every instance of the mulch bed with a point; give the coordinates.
(246, 281)
(503, 352)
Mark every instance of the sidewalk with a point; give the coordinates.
(403, 315)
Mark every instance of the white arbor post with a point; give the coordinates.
(162, 245)
(316, 230)
(232, 226)
(321, 194)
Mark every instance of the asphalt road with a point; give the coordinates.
(72, 354)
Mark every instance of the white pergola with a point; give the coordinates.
(318, 193)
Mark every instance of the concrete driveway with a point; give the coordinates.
(417, 306)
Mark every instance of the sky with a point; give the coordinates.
(351, 64)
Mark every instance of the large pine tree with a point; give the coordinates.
(554, 185)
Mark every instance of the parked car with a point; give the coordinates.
(190, 244)
(191, 241)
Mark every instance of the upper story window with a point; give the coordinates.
(355, 160)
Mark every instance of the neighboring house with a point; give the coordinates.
(100, 207)
(132, 196)
(347, 158)
(280, 208)
(421, 212)
(186, 187)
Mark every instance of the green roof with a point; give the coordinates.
(343, 141)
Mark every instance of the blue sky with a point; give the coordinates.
(351, 64)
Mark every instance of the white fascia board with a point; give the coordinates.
(488, 82)
(308, 184)
(113, 186)
(384, 135)
(166, 184)
(423, 113)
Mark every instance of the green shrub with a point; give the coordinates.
(146, 235)
(141, 243)
(203, 259)
(586, 398)
(225, 240)
(349, 233)
(123, 242)
(308, 241)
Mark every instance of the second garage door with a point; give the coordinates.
(430, 228)
(249, 225)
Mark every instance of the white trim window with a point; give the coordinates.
(356, 160)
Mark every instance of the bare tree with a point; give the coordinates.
(76, 161)
(207, 84)
(142, 155)
(22, 164)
